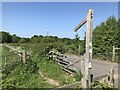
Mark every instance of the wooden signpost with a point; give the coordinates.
(88, 52)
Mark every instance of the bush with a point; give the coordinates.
(78, 76)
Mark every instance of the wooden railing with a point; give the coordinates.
(106, 77)
(63, 61)
(24, 55)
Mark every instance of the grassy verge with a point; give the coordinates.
(26, 75)
(52, 70)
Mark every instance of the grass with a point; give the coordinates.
(52, 70)
(8, 57)
(25, 76)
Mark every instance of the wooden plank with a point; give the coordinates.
(100, 77)
(80, 25)
(71, 72)
(73, 85)
(62, 59)
(71, 64)
(71, 69)
(117, 48)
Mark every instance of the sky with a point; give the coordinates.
(26, 19)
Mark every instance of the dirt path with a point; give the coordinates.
(49, 80)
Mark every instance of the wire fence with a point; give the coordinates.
(10, 60)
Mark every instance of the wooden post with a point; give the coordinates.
(24, 56)
(88, 53)
(111, 74)
(20, 56)
(69, 48)
(82, 66)
(5, 62)
(113, 56)
(79, 50)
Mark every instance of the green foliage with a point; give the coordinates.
(77, 43)
(19, 75)
(52, 70)
(78, 76)
(22, 40)
(15, 38)
(5, 37)
(104, 37)
(64, 45)
(101, 85)
(26, 75)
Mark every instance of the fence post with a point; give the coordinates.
(79, 50)
(5, 61)
(113, 56)
(83, 71)
(111, 75)
(24, 56)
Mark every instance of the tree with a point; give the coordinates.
(5, 37)
(15, 38)
(104, 37)
(22, 40)
(77, 42)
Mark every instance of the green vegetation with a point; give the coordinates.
(8, 57)
(102, 85)
(104, 37)
(78, 76)
(27, 75)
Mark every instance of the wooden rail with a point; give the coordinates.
(109, 77)
(80, 25)
(100, 77)
(62, 61)
(23, 54)
(73, 85)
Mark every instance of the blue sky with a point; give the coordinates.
(59, 19)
